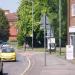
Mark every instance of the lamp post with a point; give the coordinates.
(60, 25)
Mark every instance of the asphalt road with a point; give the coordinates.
(55, 65)
(37, 63)
(15, 68)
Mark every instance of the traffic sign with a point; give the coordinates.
(43, 20)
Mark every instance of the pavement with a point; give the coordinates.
(54, 65)
(58, 66)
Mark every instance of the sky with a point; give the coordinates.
(11, 5)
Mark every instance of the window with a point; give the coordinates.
(73, 10)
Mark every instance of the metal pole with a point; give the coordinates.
(50, 39)
(60, 25)
(45, 37)
(32, 24)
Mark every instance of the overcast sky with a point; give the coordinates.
(11, 5)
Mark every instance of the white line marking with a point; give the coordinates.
(29, 64)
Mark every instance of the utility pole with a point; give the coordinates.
(60, 25)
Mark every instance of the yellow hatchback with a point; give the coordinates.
(8, 54)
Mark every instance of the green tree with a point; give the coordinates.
(4, 33)
(55, 23)
(24, 20)
(51, 8)
(48, 7)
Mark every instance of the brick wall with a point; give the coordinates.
(72, 18)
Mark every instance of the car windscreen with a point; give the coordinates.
(7, 50)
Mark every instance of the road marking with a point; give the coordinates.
(29, 64)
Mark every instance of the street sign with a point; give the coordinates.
(51, 40)
(47, 27)
(43, 20)
(50, 33)
(51, 43)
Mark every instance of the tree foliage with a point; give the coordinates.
(48, 7)
(24, 20)
(55, 23)
(4, 33)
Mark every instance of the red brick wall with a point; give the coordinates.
(12, 18)
(72, 18)
(12, 31)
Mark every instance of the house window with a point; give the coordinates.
(73, 10)
(72, 39)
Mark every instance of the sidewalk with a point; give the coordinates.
(58, 66)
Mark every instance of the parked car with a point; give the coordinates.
(1, 67)
(8, 54)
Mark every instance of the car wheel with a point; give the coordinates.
(15, 60)
(1, 73)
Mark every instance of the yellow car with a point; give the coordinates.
(8, 54)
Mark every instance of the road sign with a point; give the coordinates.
(47, 27)
(43, 20)
(51, 40)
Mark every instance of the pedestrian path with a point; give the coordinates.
(58, 66)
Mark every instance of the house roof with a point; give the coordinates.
(11, 17)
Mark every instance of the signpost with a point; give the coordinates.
(45, 25)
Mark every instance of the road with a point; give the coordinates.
(15, 68)
(37, 63)
(54, 65)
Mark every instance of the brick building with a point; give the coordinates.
(12, 18)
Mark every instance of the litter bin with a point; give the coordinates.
(69, 52)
